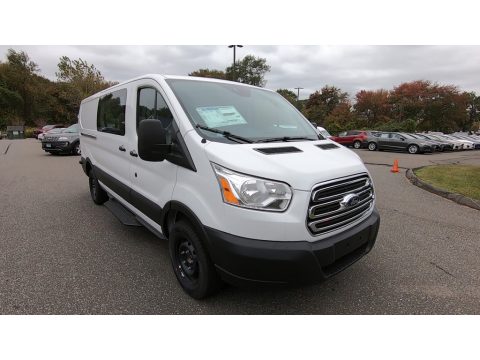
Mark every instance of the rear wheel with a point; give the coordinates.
(413, 149)
(357, 144)
(192, 266)
(99, 196)
(372, 146)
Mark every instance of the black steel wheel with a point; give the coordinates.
(191, 264)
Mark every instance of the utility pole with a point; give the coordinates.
(234, 53)
(298, 93)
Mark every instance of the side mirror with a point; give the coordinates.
(314, 124)
(402, 138)
(152, 140)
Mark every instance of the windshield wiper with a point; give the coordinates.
(285, 138)
(227, 134)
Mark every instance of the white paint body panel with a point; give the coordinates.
(199, 190)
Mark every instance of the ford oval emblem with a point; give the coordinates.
(349, 201)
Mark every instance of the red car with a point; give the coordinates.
(355, 138)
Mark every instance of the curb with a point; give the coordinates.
(458, 198)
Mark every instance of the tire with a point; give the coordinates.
(372, 146)
(191, 264)
(76, 149)
(99, 196)
(413, 149)
(357, 144)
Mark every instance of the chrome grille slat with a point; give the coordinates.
(340, 224)
(323, 215)
(341, 212)
(341, 194)
(359, 179)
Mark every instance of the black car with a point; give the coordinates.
(65, 142)
(395, 141)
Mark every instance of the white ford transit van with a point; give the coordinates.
(238, 181)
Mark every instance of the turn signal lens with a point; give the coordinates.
(227, 191)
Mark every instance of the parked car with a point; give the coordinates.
(436, 144)
(39, 132)
(399, 142)
(355, 138)
(475, 142)
(65, 141)
(444, 145)
(457, 145)
(233, 175)
(467, 145)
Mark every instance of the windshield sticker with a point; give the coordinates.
(219, 116)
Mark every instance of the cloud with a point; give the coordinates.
(350, 68)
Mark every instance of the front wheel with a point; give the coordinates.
(191, 264)
(372, 146)
(357, 144)
(76, 149)
(413, 149)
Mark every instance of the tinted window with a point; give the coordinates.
(353, 132)
(151, 105)
(111, 112)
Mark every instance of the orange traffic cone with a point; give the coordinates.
(395, 166)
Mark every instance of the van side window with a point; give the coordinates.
(111, 113)
(151, 105)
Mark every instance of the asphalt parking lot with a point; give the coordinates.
(61, 254)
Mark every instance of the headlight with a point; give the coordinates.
(251, 192)
(63, 138)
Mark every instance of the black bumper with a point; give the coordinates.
(57, 146)
(241, 260)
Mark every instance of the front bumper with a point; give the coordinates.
(248, 261)
(57, 146)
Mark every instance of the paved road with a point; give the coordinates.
(61, 254)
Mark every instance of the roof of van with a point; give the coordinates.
(164, 77)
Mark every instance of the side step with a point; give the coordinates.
(121, 213)
(128, 218)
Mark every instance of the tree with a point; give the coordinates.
(209, 73)
(82, 75)
(473, 109)
(373, 106)
(321, 103)
(250, 70)
(19, 78)
(289, 95)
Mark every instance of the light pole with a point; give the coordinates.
(234, 53)
(298, 93)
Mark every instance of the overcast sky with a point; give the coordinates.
(352, 68)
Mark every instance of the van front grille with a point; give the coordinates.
(337, 203)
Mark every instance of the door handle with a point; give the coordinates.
(133, 153)
(122, 148)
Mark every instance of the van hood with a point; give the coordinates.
(300, 164)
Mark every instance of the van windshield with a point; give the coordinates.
(251, 113)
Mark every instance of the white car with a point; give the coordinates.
(457, 144)
(467, 144)
(233, 175)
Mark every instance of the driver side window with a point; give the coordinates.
(151, 105)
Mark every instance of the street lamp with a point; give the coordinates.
(234, 53)
(298, 92)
